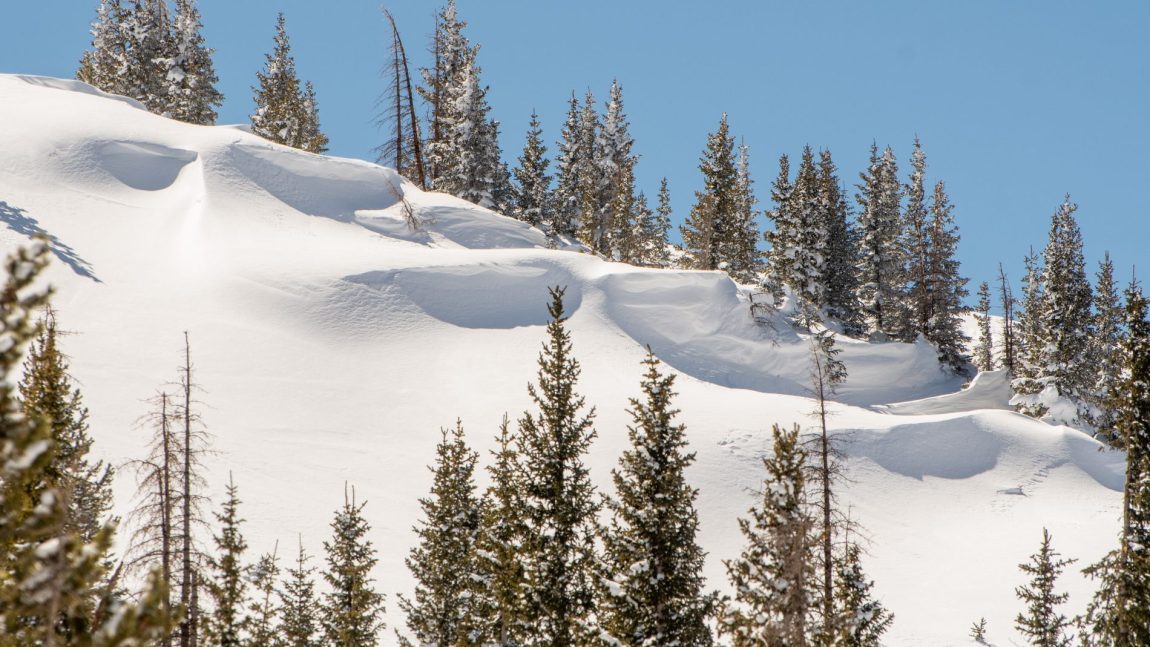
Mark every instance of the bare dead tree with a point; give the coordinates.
(403, 149)
(1008, 346)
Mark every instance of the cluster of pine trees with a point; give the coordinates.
(143, 50)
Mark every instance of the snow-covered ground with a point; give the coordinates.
(332, 343)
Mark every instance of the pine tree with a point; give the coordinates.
(593, 227)
(191, 93)
(500, 582)
(559, 506)
(104, 66)
(533, 192)
(443, 563)
(915, 243)
(946, 288)
(285, 112)
(51, 575)
(626, 219)
(654, 587)
(47, 392)
(978, 632)
(774, 577)
(984, 350)
(880, 259)
(1105, 355)
(148, 47)
(840, 280)
(569, 165)
(1041, 623)
(226, 579)
(806, 281)
(403, 149)
(657, 229)
(452, 53)
(1009, 343)
(262, 610)
(1060, 349)
(298, 608)
(1119, 614)
(709, 231)
(469, 164)
(1029, 341)
(351, 611)
(781, 236)
(615, 166)
(744, 263)
(862, 620)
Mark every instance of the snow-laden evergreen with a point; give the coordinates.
(653, 584)
(839, 275)
(946, 288)
(351, 610)
(191, 93)
(226, 577)
(710, 233)
(533, 201)
(880, 263)
(105, 65)
(861, 618)
(286, 113)
(1105, 347)
(984, 346)
(299, 620)
(1041, 623)
(916, 249)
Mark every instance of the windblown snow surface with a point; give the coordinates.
(332, 344)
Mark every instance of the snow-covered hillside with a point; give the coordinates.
(333, 342)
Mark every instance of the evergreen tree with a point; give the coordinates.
(773, 578)
(469, 164)
(443, 563)
(227, 578)
(615, 166)
(880, 259)
(285, 112)
(984, 350)
(839, 278)
(298, 608)
(149, 48)
(559, 504)
(593, 226)
(781, 237)
(654, 588)
(1060, 351)
(1105, 354)
(744, 263)
(452, 54)
(1029, 340)
(946, 288)
(978, 632)
(655, 234)
(626, 219)
(569, 165)
(104, 66)
(916, 248)
(862, 620)
(500, 582)
(47, 393)
(533, 194)
(50, 574)
(709, 233)
(1119, 614)
(808, 255)
(191, 94)
(351, 611)
(1041, 623)
(262, 610)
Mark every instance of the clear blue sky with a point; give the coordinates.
(1016, 102)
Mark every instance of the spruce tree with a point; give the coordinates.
(946, 288)
(1041, 623)
(452, 53)
(709, 233)
(626, 219)
(559, 503)
(1119, 614)
(1105, 353)
(861, 619)
(468, 163)
(312, 139)
(299, 609)
(226, 578)
(593, 226)
(443, 563)
(916, 247)
(781, 236)
(839, 278)
(1029, 341)
(774, 579)
(615, 166)
(149, 48)
(499, 603)
(880, 259)
(286, 113)
(744, 263)
(807, 281)
(262, 611)
(104, 66)
(654, 584)
(568, 165)
(191, 94)
(984, 350)
(351, 610)
(655, 236)
(533, 185)
(51, 575)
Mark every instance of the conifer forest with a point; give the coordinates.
(461, 396)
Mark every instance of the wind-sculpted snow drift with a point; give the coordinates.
(333, 341)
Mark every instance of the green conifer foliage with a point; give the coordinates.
(840, 280)
(351, 610)
(880, 267)
(709, 233)
(862, 620)
(560, 505)
(262, 610)
(105, 64)
(915, 244)
(984, 350)
(774, 579)
(1105, 348)
(299, 608)
(1041, 623)
(1119, 614)
(654, 584)
(227, 579)
(286, 113)
(191, 95)
(442, 612)
(946, 289)
(533, 193)
(500, 609)
(569, 167)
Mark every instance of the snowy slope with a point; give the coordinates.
(333, 342)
